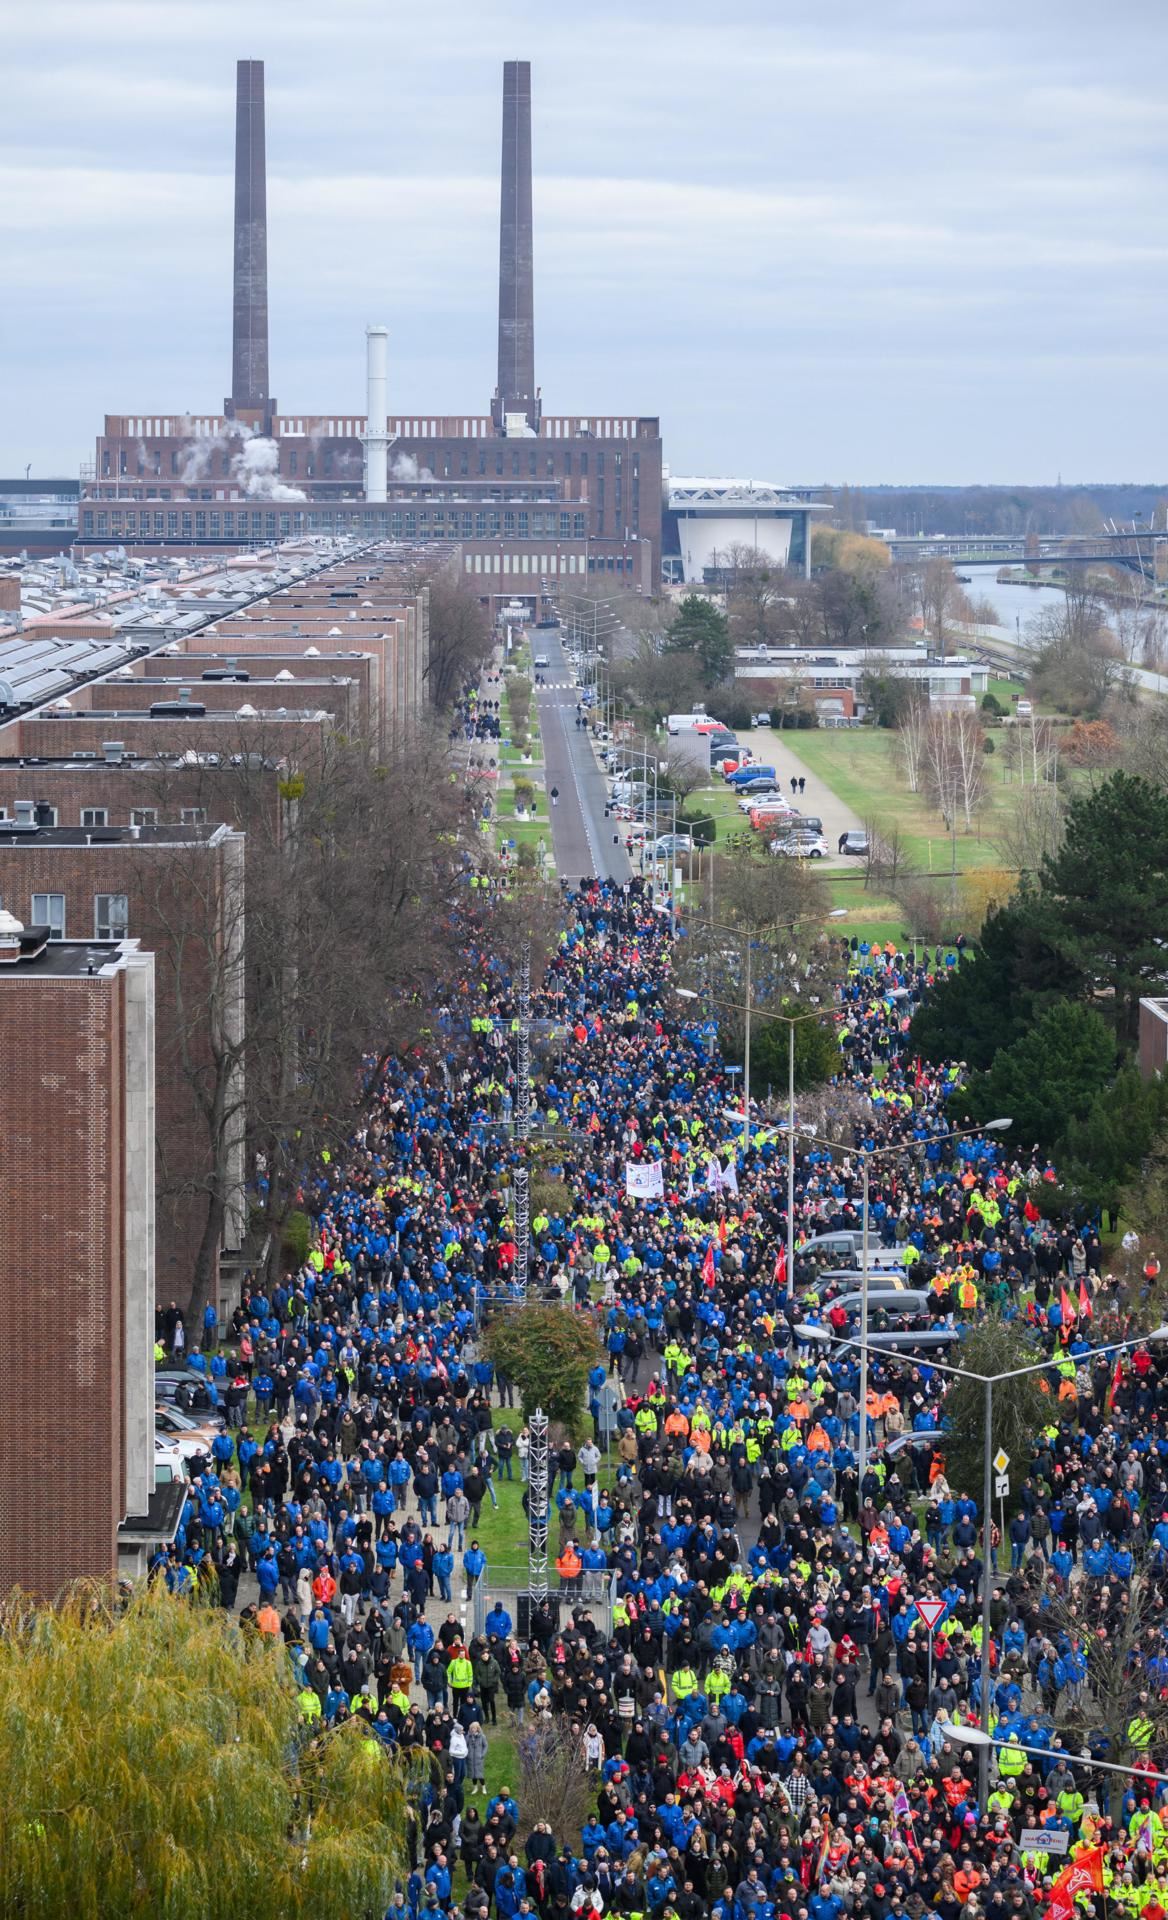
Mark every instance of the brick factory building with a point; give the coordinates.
(77, 1171)
(101, 884)
(527, 497)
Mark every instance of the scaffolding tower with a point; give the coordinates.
(537, 1507)
(522, 1182)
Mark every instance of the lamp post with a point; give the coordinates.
(868, 1154)
(989, 1381)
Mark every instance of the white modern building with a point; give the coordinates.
(704, 518)
(832, 682)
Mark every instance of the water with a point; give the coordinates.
(1017, 605)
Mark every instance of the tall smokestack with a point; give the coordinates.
(249, 343)
(376, 437)
(516, 404)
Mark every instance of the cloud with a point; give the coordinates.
(868, 243)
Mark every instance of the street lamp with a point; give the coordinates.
(989, 1381)
(868, 1155)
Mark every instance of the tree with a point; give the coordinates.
(1103, 1151)
(1117, 1632)
(912, 732)
(1145, 1199)
(1048, 1078)
(1076, 663)
(461, 640)
(941, 601)
(1092, 743)
(1021, 1408)
(1000, 989)
(754, 595)
(548, 1352)
(155, 1762)
(1029, 831)
(817, 1051)
(885, 691)
(554, 1782)
(953, 762)
(1105, 892)
(701, 629)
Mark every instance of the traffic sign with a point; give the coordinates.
(1002, 1487)
(930, 1612)
(1001, 1460)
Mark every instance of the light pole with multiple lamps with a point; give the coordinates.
(989, 1381)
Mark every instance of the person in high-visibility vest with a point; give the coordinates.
(685, 1682)
(1140, 1729)
(1011, 1758)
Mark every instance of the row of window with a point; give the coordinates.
(546, 564)
(443, 459)
(421, 524)
(139, 816)
(111, 915)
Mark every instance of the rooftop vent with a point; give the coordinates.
(114, 751)
(285, 675)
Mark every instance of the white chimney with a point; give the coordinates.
(376, 438)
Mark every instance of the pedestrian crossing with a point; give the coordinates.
(556, 686)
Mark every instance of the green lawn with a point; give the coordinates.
(858, 764)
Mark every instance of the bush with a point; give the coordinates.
(525, 794)
(702, 832)
(991, 705)
(525, 856)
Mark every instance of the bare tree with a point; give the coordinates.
(954, 762)
(912, 735)
(754, 593)
(941, 601)
(1116, 1630)
(460, 638)
(889, 863)
(1030, 830)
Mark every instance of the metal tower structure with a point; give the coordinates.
(522, 1180)
(537, 1507)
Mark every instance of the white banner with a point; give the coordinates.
(643, 1180)
(730, 1176)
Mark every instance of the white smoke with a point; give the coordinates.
(256, 468)
(404, 467)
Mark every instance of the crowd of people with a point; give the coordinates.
(768, 1726)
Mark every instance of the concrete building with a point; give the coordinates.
(77, 1028)
(832, 681)
(705, 519)
(529, 498)
(179, 894)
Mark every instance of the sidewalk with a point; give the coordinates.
(770, 746)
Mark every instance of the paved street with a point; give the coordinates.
(583, 838)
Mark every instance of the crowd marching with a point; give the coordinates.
(765, 1730)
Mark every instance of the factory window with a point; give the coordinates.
(482, 460)
(396, 525)
(48, 910)
(111, 916)
(515, 465)
(480, 526)
(523, 526)
(537, 524)
(215, 526)
(578, 529)
(174, 463)
(257, 522)
(466, 526)
(583, 463)
(285, 523)
(229, 520)
(194, 816)
(87, 523)
(95, 816)
(498, 463)
(493, 523)
(105, 464)
(464, 464)
(103, 522)
(123, 463)
(424, 522)
(508, 523)
(565, 524)
(143, 816)
(201, 525)
(551, 466)
(293, 460)
(411, 526)
(186, 523)
(159, 522)
(478, 563)
(567, 460)
(171, 525)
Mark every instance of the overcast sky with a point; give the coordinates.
(905, 242)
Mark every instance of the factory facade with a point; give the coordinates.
(529, 498)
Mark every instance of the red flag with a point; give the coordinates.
(1068, 1309)
(918, 1075)
(1116, 1382)
(1085, 1307)
(1082, 1875)
(722, 1231)
(781, 1267)
(708, 1265)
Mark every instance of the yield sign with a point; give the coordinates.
(930, 1612)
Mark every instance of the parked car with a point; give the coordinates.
(800, 846)
(854, 842)
(674, 843)
(895, 1303)
(754, 797)
(760, 719)
(847, 1244)
(181, 1447)
(749, 770)
(903, 1442)
(188, 1391)
(171, 1423)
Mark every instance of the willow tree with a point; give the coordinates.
(153, 1761)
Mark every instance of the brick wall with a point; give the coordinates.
(62, 1175)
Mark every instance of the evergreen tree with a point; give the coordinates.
(1048, 1078)
(700, 628)
(1105, 893)
(996, 994)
